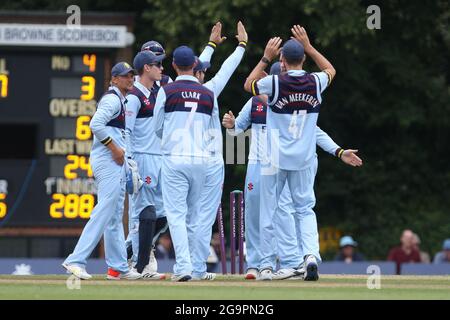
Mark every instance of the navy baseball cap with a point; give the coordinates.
(275, 69)
(293, 49)
(153, 46)
(122, 69)
(201, 65)
(183, 56)
(146, 57)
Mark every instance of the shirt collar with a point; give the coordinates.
(296, 72)
(187, 77)
(122, 98)
(141, 87)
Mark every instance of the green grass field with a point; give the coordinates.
(227, 287)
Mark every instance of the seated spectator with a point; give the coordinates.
(347, 251)
(444, 255)
(424, 256)
(405, 252)
(164, 249)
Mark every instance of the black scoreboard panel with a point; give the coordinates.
(46, 103)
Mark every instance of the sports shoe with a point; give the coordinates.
(311, 268)
(265, 275)
(299, 274)
(284, 274)
(207, 276)
(153, 263)
(77, 271)
(116, 275)
(251, 274)
(148, 274)
(181, 277)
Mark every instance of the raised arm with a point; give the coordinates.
(271, 51)
(322, 63)
(219, 81)
(215, 38)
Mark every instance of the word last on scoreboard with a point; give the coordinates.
(46, 103)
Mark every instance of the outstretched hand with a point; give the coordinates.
(349, 157)
(301, 36)
(216, 34)
(241, 33)
(272, 49)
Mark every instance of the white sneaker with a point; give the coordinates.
(251, 274)
(311, 268)
(299, 274)
(284, 274)
(153, 263)
(148, 274)
(265, 275)
(132, 274)
(181, 277)
(207, 276)
(77, 271)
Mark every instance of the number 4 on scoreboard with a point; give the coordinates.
(90, 60)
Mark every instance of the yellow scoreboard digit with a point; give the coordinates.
(3, 206)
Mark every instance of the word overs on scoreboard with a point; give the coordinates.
(70, 184)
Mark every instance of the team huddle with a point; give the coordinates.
(159, 142)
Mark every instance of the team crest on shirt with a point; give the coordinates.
(146, 102)
(148, 180)
(259, 108)
(250, 186)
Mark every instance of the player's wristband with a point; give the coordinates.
(242, 44)
(212, 44)
(254, 88)
(106, 141)
(265, 60)
(339, 152)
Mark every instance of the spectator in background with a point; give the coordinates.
(444, 255)
(164, 249)
(347, 251)
(424, 256)
(405, 252)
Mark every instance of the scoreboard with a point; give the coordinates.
(47, 100)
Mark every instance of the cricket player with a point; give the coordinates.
(143, 146)
(254, 114)
(294, 105)
(183, 116)
(212, 192)
(107, 161)
(150, 144)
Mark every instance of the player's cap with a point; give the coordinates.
(275, 69)
(446, 244)
(183, 56)
(122, 69)
(201, 65)
(347, 241)
(293, 49)
(146, 57)
(153, 46)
